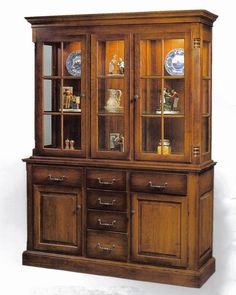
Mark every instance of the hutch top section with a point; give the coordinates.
(124, 86)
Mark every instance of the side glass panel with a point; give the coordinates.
(52, 131)
(62, 89)
(161, 83)
(51, 59)
(206, 95)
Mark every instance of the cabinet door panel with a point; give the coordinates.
(110, 96)
(57, 219)
(159, 229)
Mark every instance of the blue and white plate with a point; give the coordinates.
(73, 63)
(174, 62)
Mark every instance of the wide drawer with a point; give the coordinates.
(105, 245)
(106, 200)
(111, 221)
(57, 175)
(165, 183)
(106, 179)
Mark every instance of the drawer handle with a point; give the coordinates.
(161, 187)
(106, 203)
(100, 181)
(105, 223)
(107, 249)
(56, 179)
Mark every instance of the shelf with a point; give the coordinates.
(168, 115)
(104, 113)
(163, 77)
(61, 77)
(117, 76)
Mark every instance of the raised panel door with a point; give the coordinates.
(159, 227)
(57, 219)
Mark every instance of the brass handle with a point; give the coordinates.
(105, 223)
(106, 203)
(56, 178)
(157, 186)
(107, 249)
(100, 181)
(136, 97)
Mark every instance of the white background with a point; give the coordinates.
(17, 133)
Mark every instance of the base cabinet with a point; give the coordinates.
(57, 219)
(122, 224)
(159, 227)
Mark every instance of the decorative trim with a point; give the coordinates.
(196, 43)
(196, 151)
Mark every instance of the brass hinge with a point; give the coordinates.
(196, 43)
(196, 151)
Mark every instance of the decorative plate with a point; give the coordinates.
(174, 62)
(73, 63)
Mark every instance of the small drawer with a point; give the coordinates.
(106, 179)
(164, 183)
(111, 221)
(57, 175)
(112, 201)
(104, 245)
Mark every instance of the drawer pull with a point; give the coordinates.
(161, 187)
(106, 203)
(107, 249)
(56, 179)
(105, 223)
(100, 181)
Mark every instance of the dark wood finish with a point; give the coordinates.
(65, 176)
(159, 226)
(104, 220)
(108, 245)
(57, 219)
(106, 200)
(159, 183)
(174, 276)
(106, 179)
(130, 211)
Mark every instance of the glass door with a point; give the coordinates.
(63, 97)
(110, 96)
(162, 106)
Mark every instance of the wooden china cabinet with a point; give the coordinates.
(120, 181)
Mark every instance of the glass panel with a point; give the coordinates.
(111, 96)
(205, 96)
(174, 133)
(51, 59)
(52, 131)
(174, 57)
(173, 96)
(72, 132)
(151, 59)
(205, 135)
(72, 95)
(111, 58)
(151, 134)
(51, 94)
(206, 59)
(151, 96)
(72, 59)
(111, 135)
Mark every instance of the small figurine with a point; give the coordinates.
(67, 144)
(112, 65)
(72, 142)
(67, 98)
(119, 143)
(121, 65)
